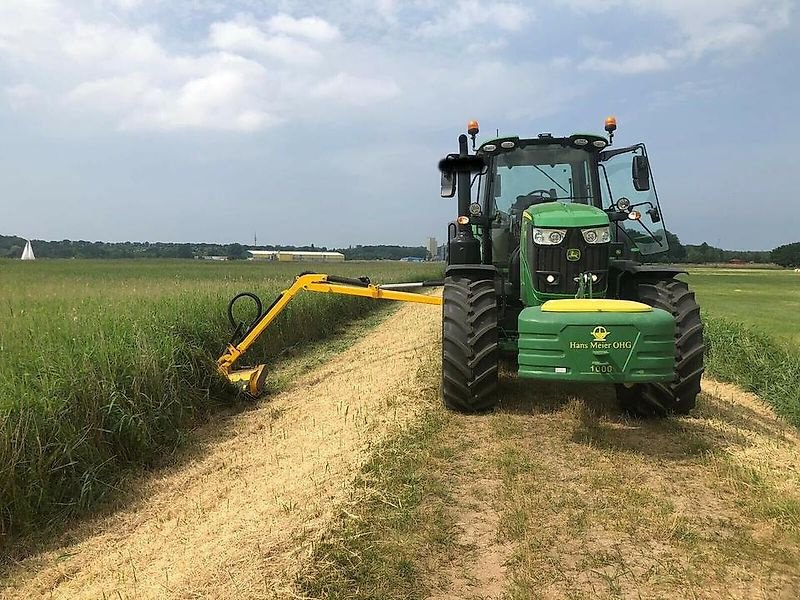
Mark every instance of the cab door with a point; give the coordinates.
(625, 173)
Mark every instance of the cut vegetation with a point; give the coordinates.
(241, 517)
(111, 362)
(556, 495)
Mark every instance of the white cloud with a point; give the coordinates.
(248, 38)
(230, 95)
(631, 65)
(95, 43)
(110, 94)
(246, 75)
(125, 4)
(468, 14)
(151, 64)
(22, 95)
(312, 28)
(710, 27)
(356, 91)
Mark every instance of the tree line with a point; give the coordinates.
(787, 255)
(705, 253)
(12, 246)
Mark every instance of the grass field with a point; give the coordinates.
(553, 494)
(108, 362)
(766, 299)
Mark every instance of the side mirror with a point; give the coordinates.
(641, 173)
(655, 216)
(453, 164)
(448, 184)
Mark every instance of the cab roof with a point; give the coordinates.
(545, 139)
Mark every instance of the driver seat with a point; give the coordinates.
(524, 202)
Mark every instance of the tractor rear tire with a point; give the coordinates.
(470, 352)
(679, 396)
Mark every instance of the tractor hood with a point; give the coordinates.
(563, 215)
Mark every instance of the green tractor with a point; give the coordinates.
(545, 261)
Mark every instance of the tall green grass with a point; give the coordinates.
(105, 364)
(757, 362)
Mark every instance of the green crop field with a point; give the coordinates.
(767, 299)
(105, 363)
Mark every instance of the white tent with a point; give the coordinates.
(27, 254)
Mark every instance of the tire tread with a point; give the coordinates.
(470, 351)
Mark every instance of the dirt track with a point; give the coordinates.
(584, 503)
(239, 521)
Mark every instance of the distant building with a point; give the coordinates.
(432, 248)
(296, 256)
(412, 259)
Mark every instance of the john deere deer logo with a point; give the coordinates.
(573, 254)
(600, 333)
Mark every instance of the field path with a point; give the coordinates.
(240, 519)
(594, 505)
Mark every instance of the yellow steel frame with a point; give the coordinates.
(252, 379)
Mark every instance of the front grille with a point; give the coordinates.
(552, 260)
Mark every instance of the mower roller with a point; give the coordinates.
(545, 263)
(251, 379)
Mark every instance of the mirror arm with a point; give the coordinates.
(617, 216)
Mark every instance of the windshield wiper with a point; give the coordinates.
(542, 171)
(627, 233)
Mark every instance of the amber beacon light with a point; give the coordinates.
(472, 130)
(611, 127)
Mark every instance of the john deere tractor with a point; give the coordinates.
(545, 261)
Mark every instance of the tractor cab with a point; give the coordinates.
(540, 195)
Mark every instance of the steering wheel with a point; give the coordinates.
(531, 198)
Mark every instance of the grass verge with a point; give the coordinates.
(741, 354)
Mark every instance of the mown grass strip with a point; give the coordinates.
(378, 545)
(756, 362)
(106, 365)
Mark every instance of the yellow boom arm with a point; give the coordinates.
(251, 380)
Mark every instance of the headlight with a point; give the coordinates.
(597, 235)
(548, 237)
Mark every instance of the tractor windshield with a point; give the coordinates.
(542, 173)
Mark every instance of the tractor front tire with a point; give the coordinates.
(680, 395)
(470, 352)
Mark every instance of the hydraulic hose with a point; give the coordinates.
(241, 327)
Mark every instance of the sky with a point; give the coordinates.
(302, 121)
